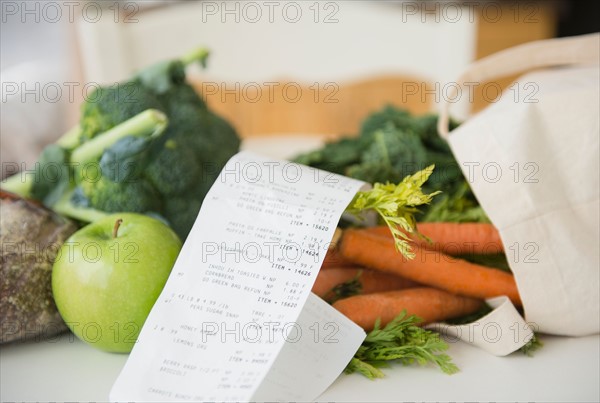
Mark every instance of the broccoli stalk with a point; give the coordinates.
(21, 183)
(148, 124)
(160, 77)
(110, 105)
(56, 190)
(130, 170)
(18, 184)
(15, 184)
(70, 139)
(65, 207)
(197, 55)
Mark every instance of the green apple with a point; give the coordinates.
(108, 275)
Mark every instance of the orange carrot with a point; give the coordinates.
(429, 304)
(334, 260)
(428, 267)
(373, 281)
(454, 238)
(370, 281)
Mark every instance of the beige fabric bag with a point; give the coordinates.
(532, 162)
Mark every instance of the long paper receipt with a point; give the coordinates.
(236, 320)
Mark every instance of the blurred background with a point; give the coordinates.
(313, 68)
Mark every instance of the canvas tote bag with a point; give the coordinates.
(532, 162)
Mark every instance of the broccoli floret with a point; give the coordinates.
(397, 148)
(59, 169)
(426, 126)
(371, 172)
(184, 162)
(174, 169)
(137, 196)
(106, 107)
(186, 121)
(178, 99)
(335, 156)
(392, 144)
(392, 155)
(398, 118)
(181, 213)
(146, 165)
(185, 166)
(161, 86)
(218, 141)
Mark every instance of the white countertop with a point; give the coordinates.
(565, 369)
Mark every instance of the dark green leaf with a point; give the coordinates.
(79, 199)
(125, 160)
(52, 175)
(345, 290)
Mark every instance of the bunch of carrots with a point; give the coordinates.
(434, 285)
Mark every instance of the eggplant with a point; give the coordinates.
(30, 238)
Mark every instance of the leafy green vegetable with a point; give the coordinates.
(386, 157)
(108, 106)
(137, 196)
(142, 164)
(391, 144)
(165, 75)
(495, 261)
(389, 116)
(51, 175)
(335, 157)
(400, 341)
(174, 168)
(480, 313)
(182, 165)
(396, 205)
(460, 206)
(81, 212)
(124, 160)
(59, 169)
(181, 212)
(149, 124)
(345, 290)
(532, 345)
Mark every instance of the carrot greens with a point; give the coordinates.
(400, 341)
(396, 205)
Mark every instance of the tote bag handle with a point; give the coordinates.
(578, 50)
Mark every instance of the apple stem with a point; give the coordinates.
(116, 227)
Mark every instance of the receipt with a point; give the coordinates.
(236, 320)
